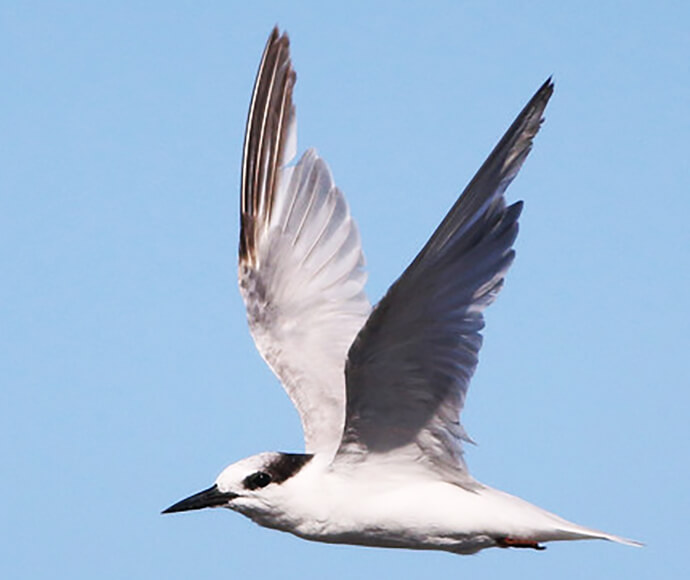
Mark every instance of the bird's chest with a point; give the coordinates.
(355, 513)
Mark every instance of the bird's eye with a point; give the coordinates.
(257, 480)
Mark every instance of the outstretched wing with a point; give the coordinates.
(410, 366)
(300, 266)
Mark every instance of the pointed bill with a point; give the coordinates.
(211, 497)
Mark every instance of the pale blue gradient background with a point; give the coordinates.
(129, 379)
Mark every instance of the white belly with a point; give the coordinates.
(424, 515)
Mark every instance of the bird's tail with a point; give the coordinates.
(540, 525)
(570, 531)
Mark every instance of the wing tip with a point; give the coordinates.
(517, 142)
(537, 104)
(265, 141)
(276, 35)
(547, 87)
(533, 113)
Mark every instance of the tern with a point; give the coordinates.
(379, 390)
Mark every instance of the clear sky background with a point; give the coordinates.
(128, 378)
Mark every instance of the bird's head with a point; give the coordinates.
(247, 485)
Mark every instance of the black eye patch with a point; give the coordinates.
(257, 480)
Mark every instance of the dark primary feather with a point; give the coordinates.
(490, 182)
(270, 115)
(409, 368)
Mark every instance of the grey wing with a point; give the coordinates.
(301, 264)
(410, 366)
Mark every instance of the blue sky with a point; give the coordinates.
(129, 379)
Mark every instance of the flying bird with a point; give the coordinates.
(379, 390)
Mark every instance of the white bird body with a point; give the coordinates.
(396, 508)
(379, 390)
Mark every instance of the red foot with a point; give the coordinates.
(517, 543)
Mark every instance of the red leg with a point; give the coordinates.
(507, 542)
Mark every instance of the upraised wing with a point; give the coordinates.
(410, 366)
(301, 264)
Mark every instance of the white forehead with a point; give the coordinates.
(233, 474)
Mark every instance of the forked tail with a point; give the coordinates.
(576, 532)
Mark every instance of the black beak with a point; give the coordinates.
(210, 497)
